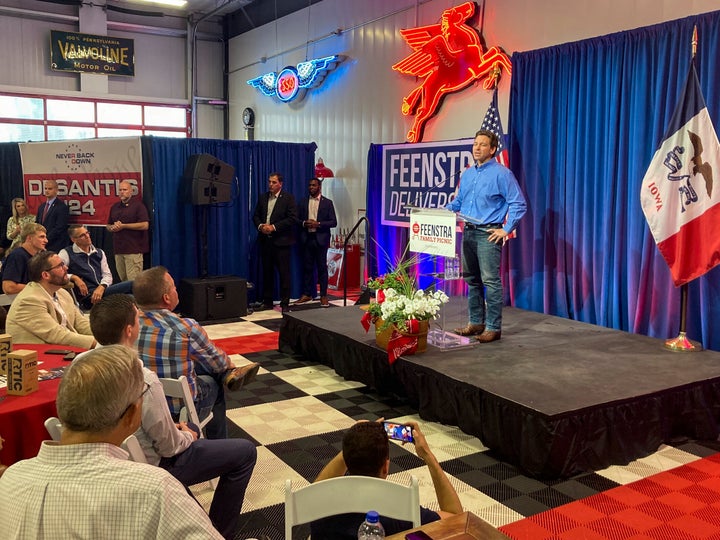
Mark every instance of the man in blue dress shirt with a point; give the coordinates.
(488, 193)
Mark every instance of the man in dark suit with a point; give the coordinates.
(317, 217)
(53, 214)
(275, 217)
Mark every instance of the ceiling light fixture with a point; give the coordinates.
(174, 3)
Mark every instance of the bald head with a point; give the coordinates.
(125, 190)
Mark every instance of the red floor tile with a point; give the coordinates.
(246, 344)
(679, 504)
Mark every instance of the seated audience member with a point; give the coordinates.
(176, 447)
(366, 452)
(4, 251)
(88, 269)
(3, 468)
(44, 312)
(172, 346)
(14, 270)
(84, 486)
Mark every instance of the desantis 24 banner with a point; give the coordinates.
(88, 173)
(422, 175)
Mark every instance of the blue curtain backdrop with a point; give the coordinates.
(176, 224)
(387, 244)
(585, 121)
(232, 250)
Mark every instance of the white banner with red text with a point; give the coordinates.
(432, 232)
(88, 173)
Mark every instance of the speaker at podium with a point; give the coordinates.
(214, 298)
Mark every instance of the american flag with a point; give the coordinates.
(491, 122)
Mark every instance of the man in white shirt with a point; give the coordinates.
(84, 486)
(89, 269)
(175, 446)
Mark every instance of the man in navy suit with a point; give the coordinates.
(55, 218)
(275, 217)
(317, 217)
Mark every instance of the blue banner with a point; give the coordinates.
(422, 175)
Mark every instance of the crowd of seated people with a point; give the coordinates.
(113, 391)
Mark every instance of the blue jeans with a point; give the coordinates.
(481, 270)
(211, 397)
(232, 460)
(124, 287)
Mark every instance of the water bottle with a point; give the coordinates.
(371, 528)
(452, 268)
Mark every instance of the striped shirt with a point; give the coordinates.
(171, 345)
(92, 491)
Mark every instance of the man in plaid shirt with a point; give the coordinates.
(172, 346)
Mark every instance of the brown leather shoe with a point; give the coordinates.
(236, 378)
(488, 335)
(324, 302)
(470, 329)
(303, 299)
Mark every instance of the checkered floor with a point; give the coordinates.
(296, 411)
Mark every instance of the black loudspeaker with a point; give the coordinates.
(213, 298)
(208, 180)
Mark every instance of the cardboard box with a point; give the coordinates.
(22, 374)
(5, 348)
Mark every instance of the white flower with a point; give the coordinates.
(422, 305)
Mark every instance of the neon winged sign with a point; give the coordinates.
(292, 82)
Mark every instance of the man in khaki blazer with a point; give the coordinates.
(44, 312)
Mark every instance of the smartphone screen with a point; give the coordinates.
(398, 432)
(417, 535)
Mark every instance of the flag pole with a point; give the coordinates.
(681, 343)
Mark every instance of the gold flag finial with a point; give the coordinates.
(694, 41)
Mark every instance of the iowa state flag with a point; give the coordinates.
(678, 195)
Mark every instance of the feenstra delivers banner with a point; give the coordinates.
(423, 175)
(678, 195)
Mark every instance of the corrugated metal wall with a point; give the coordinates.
(359, 103)
(160, 62)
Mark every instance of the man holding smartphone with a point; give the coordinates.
(366, 452)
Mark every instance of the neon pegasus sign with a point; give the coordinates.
(450, 57)
(292, 82)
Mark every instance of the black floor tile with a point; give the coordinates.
(266, 388)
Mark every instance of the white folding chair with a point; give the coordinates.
(351, 494)
(54, 427)
(180, 389)
(132, 446)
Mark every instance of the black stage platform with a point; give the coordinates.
(554, 396)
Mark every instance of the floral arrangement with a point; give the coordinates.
(399, 300)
